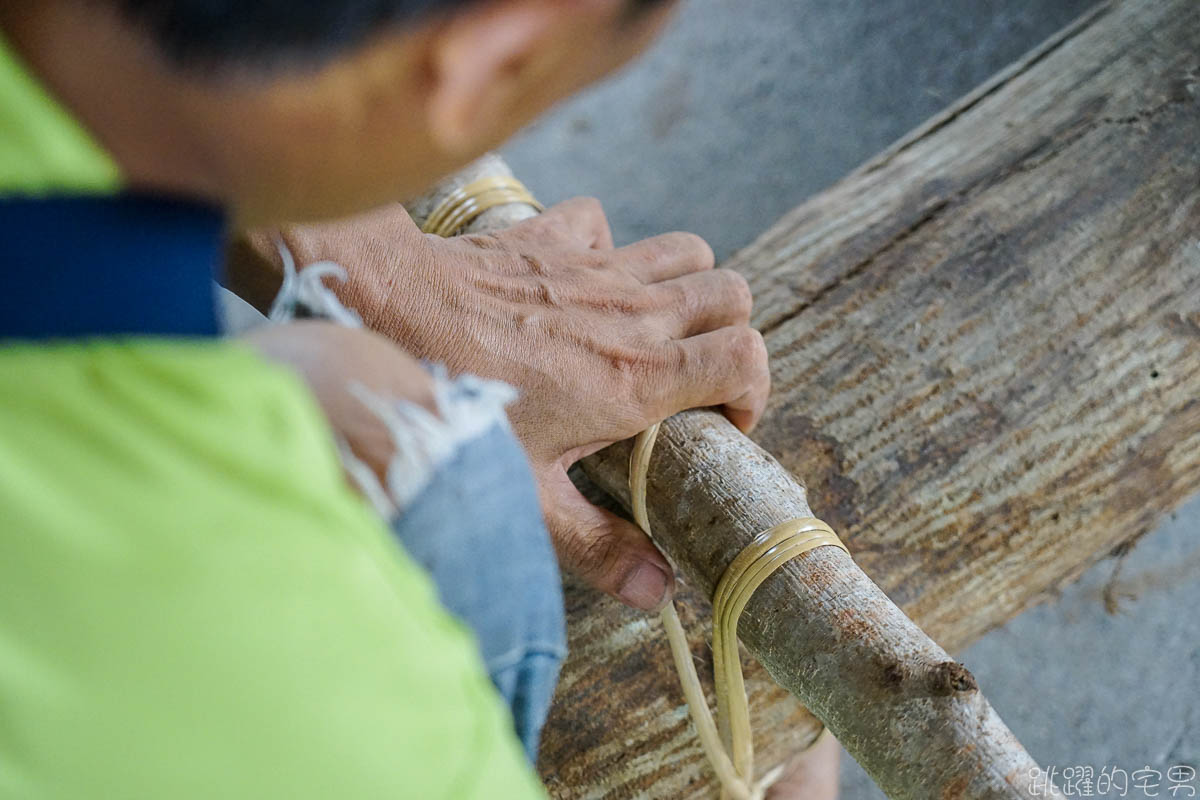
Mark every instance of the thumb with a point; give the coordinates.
(611, 554)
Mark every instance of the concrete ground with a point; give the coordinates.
(744, 109)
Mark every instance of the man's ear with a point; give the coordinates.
(485, 64)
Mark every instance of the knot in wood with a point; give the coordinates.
(950, 677)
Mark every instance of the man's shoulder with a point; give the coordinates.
(192, 593)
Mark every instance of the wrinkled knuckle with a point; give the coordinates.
(680, 360)
(656, 250)
(589, 205)
(748, 347)
(640, 371)
(593, 551)
(501, 241)
(761, 362)
(695, 250)
(737, 290)
(622, 302)
(761, 354)
(589, 263)
(674, 297)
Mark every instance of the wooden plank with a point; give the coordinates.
(987, 355)
(985, 342)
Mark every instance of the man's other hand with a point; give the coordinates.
(600, 341)
(332, 361)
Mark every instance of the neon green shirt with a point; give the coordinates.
(42, 149)
(192, 602)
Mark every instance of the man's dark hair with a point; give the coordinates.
(268, 32)
(216, 33)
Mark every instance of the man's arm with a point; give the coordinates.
(601, 341)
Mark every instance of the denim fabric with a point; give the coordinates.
(477, 528)
(469, 513)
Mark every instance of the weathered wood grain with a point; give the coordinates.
(986, 345)
(986, 342)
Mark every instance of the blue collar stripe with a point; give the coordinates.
(107, 266)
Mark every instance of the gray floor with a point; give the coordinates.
(743, 110)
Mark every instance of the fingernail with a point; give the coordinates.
(645, 587)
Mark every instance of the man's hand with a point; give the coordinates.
(331, 360)
(601, 342)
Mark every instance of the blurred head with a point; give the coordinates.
(301, 109)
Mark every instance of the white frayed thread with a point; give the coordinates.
(304, 293)
(467, 408)
(364, 478)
